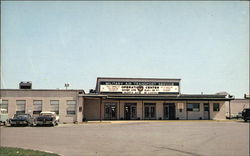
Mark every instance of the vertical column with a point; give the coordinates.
(142, 109)
(186, 110)
(80, 109)
(29, 106)
(119, 109)
(100, 109)
(139, 109)
(159, 110)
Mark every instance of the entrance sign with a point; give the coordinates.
(139, 87)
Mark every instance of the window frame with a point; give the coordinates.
(71, 112)
(37, 112)
(192, 109)
(57, 111)
(216, 109)
(23, 111)
(6, 104)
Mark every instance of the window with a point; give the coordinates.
(54, 106)
(37, 107)
(216, 107)
(195, 107)
(20, 106)
(4, 105)
(71, 107)
(206, 107)
(180, 106)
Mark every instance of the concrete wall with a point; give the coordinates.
(89, 108)
(221, 115)
(92, 109)
(45, 95)
(237, 106)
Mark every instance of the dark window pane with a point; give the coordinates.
(216, 107)
(71, 112)
(193, 107)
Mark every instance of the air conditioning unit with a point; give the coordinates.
(25, 85)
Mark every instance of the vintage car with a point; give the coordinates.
(47, 118)
(21, 120)
(246, 114)
(3, 116)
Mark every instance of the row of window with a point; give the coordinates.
(37, 106)
(195, 107)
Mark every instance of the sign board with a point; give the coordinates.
(139, 87)
(180, 105)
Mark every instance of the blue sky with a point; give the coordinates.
(206, 44)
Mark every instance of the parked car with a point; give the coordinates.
(3, 116)
(47, 118)
(239, 115)
(22, 120)
(246, 114)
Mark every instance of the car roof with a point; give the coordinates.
(48, 112)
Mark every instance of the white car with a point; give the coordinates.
(47, 118)
(3, 116)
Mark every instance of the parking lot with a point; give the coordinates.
(134, 138)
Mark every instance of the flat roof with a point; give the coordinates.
(180, 97)
(42, 90)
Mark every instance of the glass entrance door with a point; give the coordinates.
(206, 111)
(169, 111)
(110, 111)
(130, 111)
(149, 111)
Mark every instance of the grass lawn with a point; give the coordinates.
(11, 151)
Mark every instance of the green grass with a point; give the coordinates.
(11, 151)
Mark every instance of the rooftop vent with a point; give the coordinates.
(25, 85)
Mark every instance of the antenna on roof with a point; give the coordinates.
(66, 85)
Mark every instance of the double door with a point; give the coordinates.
(150, 111)
(130, 111)
(110, 111)
(169, 111)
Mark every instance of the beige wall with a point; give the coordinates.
(91, 106)
(237, 106)
(30, 95)
(92, 109)
(221, 115)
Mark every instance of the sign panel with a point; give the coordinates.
(139, 87)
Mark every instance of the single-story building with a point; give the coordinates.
(118, 99)
(236, 106)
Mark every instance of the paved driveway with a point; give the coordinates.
(134, 138)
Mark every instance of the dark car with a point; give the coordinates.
(22, 120)
(47, 118)
(246, 114)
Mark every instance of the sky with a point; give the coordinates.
(51, 43)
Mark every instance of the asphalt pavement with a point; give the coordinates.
(177, 138)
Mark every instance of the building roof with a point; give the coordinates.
(42, 90)
(180, 97)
